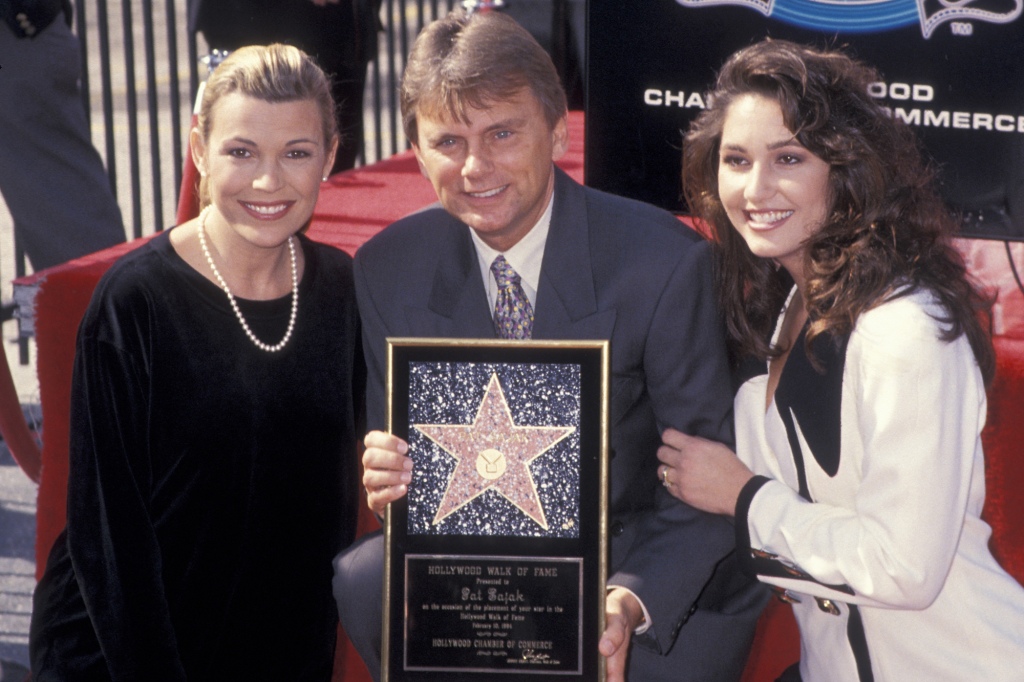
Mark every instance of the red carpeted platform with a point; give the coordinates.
(353, 206)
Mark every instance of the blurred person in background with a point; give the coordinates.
(51, 177)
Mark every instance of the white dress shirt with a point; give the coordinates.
(526, 257)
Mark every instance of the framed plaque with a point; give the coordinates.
(496, 560)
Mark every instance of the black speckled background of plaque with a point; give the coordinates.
(537, 395)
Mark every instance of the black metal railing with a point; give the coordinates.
(141, 70)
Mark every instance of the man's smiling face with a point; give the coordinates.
(494, 171)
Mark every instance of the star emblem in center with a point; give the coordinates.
(493, 453)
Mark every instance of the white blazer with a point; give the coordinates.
(886, 550)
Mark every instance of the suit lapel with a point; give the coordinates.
(457, 305)
(566, 305)
(566, 297)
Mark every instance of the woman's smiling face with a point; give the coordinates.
(774, 190)
(264, 162)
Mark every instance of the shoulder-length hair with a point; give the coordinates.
(887, 233)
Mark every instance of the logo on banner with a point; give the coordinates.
(872, 16)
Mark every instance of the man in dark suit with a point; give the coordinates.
(340, 34)
(483, 106)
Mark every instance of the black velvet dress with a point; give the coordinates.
(211, 482)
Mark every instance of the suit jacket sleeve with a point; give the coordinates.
(374, 334)
(678, 549)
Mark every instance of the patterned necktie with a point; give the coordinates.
(513, 314)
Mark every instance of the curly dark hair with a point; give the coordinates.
(888, 232)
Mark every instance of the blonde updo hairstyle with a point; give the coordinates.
(272, 73)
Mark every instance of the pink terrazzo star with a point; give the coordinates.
(493, 453)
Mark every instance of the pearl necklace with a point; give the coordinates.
(234, 305)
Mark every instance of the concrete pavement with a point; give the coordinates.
(17, 567)
(17, 529)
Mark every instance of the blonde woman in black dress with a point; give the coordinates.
(217, 388)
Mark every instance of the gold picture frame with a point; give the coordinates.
(496, 559)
